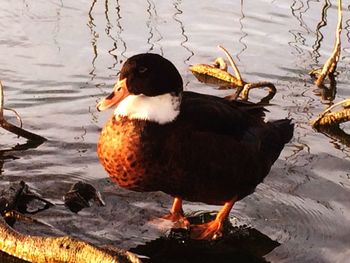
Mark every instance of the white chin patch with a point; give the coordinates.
(161, 109)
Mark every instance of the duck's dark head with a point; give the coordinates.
(147, 84)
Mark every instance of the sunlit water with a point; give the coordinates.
(58, 58)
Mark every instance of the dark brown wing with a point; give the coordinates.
(215, 149)
(217, 115)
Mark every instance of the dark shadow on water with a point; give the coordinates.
(238, 244)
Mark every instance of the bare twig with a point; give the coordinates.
(19, 119)
(12, 128)
(220, 63)
(233, 65)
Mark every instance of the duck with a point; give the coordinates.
(191, 146)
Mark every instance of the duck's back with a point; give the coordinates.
(214, 150)
(224, 148)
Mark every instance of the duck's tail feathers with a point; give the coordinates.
(285, 129)
(279, 133)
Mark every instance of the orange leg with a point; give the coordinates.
(176, 213)
(213, 229)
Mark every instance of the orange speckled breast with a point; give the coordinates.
(120, 150)
(180, 161)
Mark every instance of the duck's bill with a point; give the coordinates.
(120, 91)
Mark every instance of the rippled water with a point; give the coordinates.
(58, 58)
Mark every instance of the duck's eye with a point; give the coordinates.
(142, 69)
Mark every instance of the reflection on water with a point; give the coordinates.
(93, 39)
(319, 35)
(346, 28)
(298, 9)
(176, 17)
(154, 35)
(327, 93)
(244, 34)
(59, 58)
(337, 134)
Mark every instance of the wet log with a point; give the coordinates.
(329, 118)
(57, 249)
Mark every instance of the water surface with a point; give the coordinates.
(58, 58)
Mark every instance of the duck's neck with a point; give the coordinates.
(160, 109)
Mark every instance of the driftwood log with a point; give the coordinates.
(57, 249)
(333, 118)
(217, 74)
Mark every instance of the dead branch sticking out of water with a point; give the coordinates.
(329, 118)
(330, 65)
(217, 75)
(14, 129)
